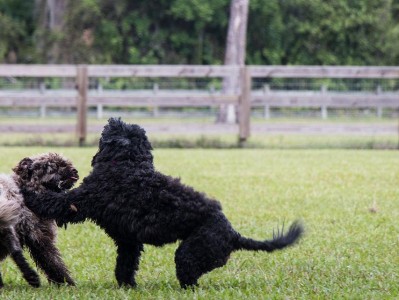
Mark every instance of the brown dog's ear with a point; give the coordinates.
(24, 167)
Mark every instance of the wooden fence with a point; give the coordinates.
(82, 97)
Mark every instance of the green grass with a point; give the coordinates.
(214, 140)
(217, 141)
(348, 252)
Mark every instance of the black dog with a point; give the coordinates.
(137, 205)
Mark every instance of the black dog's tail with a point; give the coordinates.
(279, 241)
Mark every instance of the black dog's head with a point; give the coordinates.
(48, 171)
(120, 141)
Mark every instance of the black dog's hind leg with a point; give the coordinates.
(14, 247)
(48, 258)
(199, 254)
(127, 263)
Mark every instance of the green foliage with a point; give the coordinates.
(265, 33)
(339, 32)
(16, 28)
(346, 199)
(318, 32)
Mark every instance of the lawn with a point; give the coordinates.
(195, 136)
(347, 199)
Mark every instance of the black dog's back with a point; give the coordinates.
(151, 207)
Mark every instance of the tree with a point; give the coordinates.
(235, 54)
(52, 21)
(63, 30)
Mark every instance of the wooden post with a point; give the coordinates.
(155, 89)
(100, 111)
(43, 109)
(324, 114)
(244, 105)
(212, 89)
(266, 109)
(100, 108)
(379, 108)
(82, 84)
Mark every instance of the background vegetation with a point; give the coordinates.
(346, 199)
(339, 32)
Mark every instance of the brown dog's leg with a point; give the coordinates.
(14, 247)
(3, 255)
(48, 258)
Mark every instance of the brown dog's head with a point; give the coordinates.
(48, 171)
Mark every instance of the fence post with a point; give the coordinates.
(43, 107)
(82, 84)
(155, 89)
(266, 109)
(324, 113)
(100, 108)
(212, 89)
(379, 108)
(244, 105)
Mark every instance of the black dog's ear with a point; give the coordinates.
(114, 121)
(115, 132)
(24, 168)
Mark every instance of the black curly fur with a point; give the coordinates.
(137, 205)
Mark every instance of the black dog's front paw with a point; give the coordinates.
(30, 199)
(63, 220)
(33, 279)
(127, 283)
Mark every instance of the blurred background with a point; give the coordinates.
(353, 107)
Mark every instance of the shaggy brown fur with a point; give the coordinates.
(20, 227)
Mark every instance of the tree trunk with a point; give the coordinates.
(51, 21)
(235, 55)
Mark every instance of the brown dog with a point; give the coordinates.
(20, 227)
